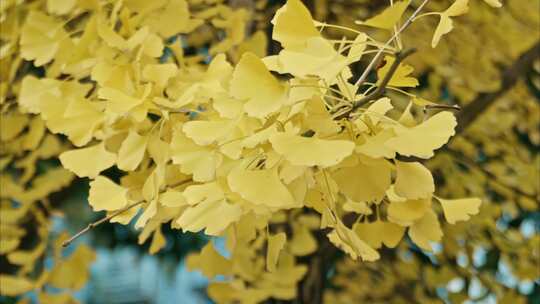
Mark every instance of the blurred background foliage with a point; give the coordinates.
(492, 258)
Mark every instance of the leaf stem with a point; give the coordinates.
(382, 87)
(425, 15)
(396, 34)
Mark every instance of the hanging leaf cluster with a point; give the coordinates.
(270, 152)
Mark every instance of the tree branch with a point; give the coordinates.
(509, 77)
(99, 222)
(492, 177)
(470, 112)
(466, 117)
(396, 34)
(116, 213)
(311, 288)
(381, 88)
(400, 57)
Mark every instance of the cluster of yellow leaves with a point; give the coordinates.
(228, 147)
(506, 169)
(67, 273)
(498, 142)
(26, 181)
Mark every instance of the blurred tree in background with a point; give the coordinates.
(162, 114)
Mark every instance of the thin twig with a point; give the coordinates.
(462, 158)
(509, 78)
(381, 88)
(443, 107)
(396, 34)
(473, 109)
(118, 212)
(99, 222)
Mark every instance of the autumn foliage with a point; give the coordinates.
(322, 156)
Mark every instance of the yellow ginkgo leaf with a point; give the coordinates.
(261, 187)
(217, 76)
(303, 242)
(357, 49)
(79, 119)
(88, 162)
(213, 216)
(158, 149)
(494, 3)
(196, 194)
(158, 242)
(150, 210)
(11, 125)
(206, 132)
(459, 209)
(11, 285)
(153, 183)
(379, 232)
(41, 37)
(63, 106)
(53, 298)
(423, 139)
(23, 257)
(389, 17)
(357, 207)
(153, 45)
(293, 24)
(373, 114)
(401, 77)
(259, 137)
(316, 58)
(209, 262)
(257, 44)
(109, 36)
(375, 146)
(35, 134)
(228, 107)
(348, 241)
(286, 276)
(194, 159)
(60, 7)
(118, 102)
(137, 38)
(459, 7)
(171, 19)
(426, 230)
(311, 151)
(407, 119)
(289, 172)
(251, 81)
(367, 181)
(413, 180)
(125, 217)
(132, 151)
(35, 91)
(172, 198)
(106, 195)
(69, 273)
(275, 245)
(159, 73)
(406, 212)
(444, 27)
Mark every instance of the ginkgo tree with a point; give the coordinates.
(33, 185)
(282, 155)
(489, 257)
